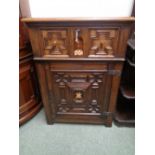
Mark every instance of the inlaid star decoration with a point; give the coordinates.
(78, 95)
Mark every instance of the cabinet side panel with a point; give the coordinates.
(125, 32)
(44, 92)
(35, 41)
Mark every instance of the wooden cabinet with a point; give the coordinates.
(29, 96)
(125, 109)
(79, 63)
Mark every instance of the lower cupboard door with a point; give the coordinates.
(79, 96)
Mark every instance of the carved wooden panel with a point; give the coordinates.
(102, 42)
(78, 92)
(55, 42)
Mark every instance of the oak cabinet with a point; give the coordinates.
(79, 63)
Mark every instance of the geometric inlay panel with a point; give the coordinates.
(55, 42)
(101, 42)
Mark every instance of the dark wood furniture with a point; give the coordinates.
(29, 97)
(79, 63)
(125, 109)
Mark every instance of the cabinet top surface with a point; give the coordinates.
(78, 19)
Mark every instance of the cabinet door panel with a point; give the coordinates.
(78, 93)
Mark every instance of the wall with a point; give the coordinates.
(79, 8)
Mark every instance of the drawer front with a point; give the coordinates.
(79, 42)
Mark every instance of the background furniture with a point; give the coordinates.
(79, 63)
(125, 109)
(29, 96)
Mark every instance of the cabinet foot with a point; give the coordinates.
(50, 122)
(109, 121)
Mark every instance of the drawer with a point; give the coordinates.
(79, 42)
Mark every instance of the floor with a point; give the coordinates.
(38, 138)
